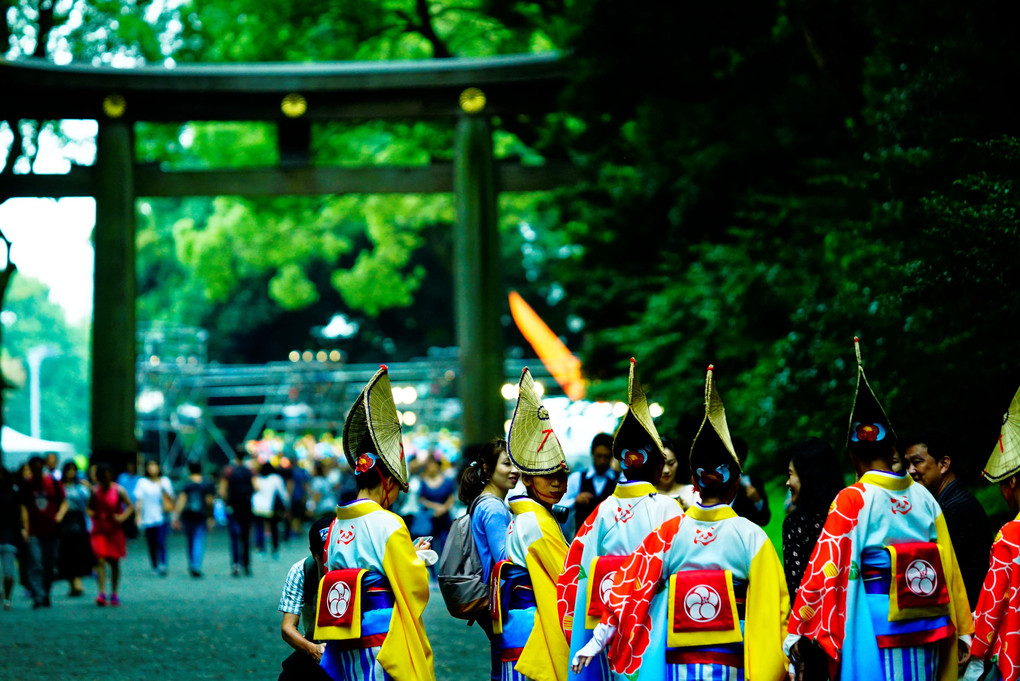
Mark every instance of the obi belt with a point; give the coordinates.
(365, 619)
(706, 618)
(512, 606)
(907, 594)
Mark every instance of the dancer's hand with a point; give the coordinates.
(580, 662)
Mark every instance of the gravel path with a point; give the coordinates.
(177, 627)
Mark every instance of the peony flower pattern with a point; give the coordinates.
(819, 611)
(630, 599)
(997, 616)
(566, 585)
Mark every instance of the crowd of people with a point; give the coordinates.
(60, 523)
(625, 570)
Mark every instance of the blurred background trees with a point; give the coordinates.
(762, 182)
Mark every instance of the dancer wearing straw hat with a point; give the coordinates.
(525, 622)
(371, 600)
(703, 597)
(995, 653)
(882, 594)
(616, 527)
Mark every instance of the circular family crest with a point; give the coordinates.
(921, 578)
(338, 599)
(605, 586)
(702, 603)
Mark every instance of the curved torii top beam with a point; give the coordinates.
(36, 88)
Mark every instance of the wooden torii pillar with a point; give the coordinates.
(469, 91)
(113, 311)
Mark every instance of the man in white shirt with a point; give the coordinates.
(586, 489)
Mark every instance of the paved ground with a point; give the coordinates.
(177, 627)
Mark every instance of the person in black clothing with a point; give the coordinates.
(12, 535)
(751, 502)
(928, 462)
(588, 488)
(814, 480)
(236, 489)
(43, 506)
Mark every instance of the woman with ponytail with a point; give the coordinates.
(484, 485)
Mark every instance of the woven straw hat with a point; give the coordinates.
(1005, 459)
(637, 425)
(713, 446)
(868, 420)
(531, 443)
(372, 426)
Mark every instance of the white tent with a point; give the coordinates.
(19, 448)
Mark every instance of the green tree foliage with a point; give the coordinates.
(299, 261)
(31, 319)
(787, 177)
(763, 181)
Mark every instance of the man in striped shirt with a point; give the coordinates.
(297, 603)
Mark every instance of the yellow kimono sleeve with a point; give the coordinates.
(766, 613)
(959, 606)
(406, 654)
(546, 655)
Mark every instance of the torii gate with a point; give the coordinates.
(292, 96)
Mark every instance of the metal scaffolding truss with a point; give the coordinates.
(180, 401)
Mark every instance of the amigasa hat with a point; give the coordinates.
(531, 444)
(868, 420)
(712, 446)
(1005, 459)
(372, 426)
(637, 425)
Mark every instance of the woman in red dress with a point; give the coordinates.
(108, 507)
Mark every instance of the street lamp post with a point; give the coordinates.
(36, 355)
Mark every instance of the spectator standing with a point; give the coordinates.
(588, 488)
(298, 491)
(127, 481)
(814, 481)
(43, 506)
(52, 465)
(484, 485)
(437, 494)
(928, 462)
(11, 533)
(322, 490)
(298, 602)
(675, 479)
(236, 490)
(268, 505)
(155, 498)
(110, 508)
(194, 504)
(74, 553)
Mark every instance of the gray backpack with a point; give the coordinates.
(461, 577)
